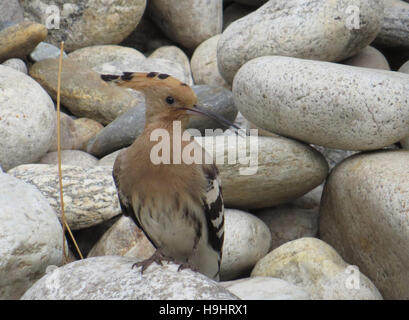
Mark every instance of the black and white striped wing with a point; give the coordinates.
(214, 208)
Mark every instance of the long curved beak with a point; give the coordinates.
(203, 111)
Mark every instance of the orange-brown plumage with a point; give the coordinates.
(179, 206)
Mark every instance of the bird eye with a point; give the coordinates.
(170, 100)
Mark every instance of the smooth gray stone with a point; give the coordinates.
(119, 133)
(123, 130)
(44, 51)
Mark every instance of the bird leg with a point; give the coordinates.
(157, 257)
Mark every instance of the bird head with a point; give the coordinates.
(167, 99)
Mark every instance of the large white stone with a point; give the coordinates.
(328, 104)
(85, 23)
(204, 64)
(30, 236)
(317, 268)
(317, 30)
(188, 22)
(273, 171)
(174, 54)
(113, 278)
(27, 119)
(364, 216)
(246, 240)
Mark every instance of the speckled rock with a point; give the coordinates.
(70, 157)
(364, 216)
(246, 240)
(90, 196)
(17, 41)
(123, 130)
(83, 92)
(44, 51)
(16, 64)
(282, 170)
(87, 22)
(108, 58)
(124, 238)
(234, 12)
(369, 57)
(113, 278)
(204, 64)
(30, 236)
(175, 54)
(294, 220)
(317, 268)
(265, 288)
(187, 22)
(314, 30)
(11, 13)
(395, 27)
(27, 119)
(328, 104)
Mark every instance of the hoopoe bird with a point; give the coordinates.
(179, 207)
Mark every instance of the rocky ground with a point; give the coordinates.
(326, 215)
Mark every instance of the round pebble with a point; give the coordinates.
(246, 240)
(317, 268)
(187, 23)
(204, 64)
(82, 90)
(86, 22)
(27, 119)
(16, 64)
(304, 29)
(30, 236)
(363, 216)
(17, 41)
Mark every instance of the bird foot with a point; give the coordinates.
(187, 265)
(157, 257)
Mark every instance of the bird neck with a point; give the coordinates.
(168, 134)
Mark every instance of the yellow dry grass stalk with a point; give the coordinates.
(65, 225)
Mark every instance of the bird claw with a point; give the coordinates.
(157, 257)
(187, 265)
